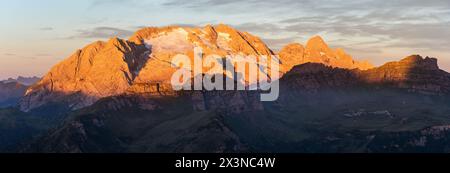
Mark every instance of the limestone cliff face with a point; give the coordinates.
(10, 93)
(317, 51)
(98, 70)
(291, 55)
(413, 73)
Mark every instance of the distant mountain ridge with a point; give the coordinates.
(11, 93)
(413, 74)
(23, 80)
(317, 51)
(12, 90)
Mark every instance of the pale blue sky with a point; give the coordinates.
(36, 34)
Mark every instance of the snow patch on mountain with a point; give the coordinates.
(223, 40)
(174, 41)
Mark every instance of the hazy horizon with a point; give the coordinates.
(38, 34)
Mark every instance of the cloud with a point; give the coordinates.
(23, 55)
(200, 3)
(186, 25)
(229, 7)
(121, 4)
(278, 43)
(259, 27)
(316, 4)
(102, 33)
(101, 3)
(10, 54)
(46, 29)
(43, 54)
(423, 31)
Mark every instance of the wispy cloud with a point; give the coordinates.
(43, 54)
(102, 33)
(46, 29)
(10, 54)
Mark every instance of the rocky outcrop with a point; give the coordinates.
(413, 73)
(227, 102)
(317, 51)
(291, 55)
(98, 70)
(311, 77)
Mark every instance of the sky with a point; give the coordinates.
(37, 34)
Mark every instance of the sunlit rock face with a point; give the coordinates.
(98, 70)
(317, 51)
(406, 69)
(222, 40)
(413, 74)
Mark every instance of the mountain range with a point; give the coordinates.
(116, 96)
(12, 90)
(104, 69)
(27, 81)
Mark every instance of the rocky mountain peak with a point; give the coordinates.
(116, 42)
(414, 73)
(412, 63)
(291, 55)
(98, 70)
(317, 51)
(317, 43)
(417, 61)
